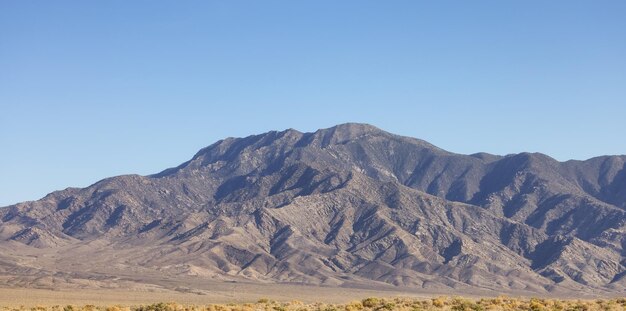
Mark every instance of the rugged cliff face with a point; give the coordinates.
(349, 205)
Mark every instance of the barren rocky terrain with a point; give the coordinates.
(348, 206)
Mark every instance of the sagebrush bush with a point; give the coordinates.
(370, 302)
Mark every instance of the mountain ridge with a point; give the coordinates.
(343, 206)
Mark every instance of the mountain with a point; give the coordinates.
(351, 205)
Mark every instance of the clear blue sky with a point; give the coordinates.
(91, 89)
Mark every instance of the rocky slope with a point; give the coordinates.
(350, 205)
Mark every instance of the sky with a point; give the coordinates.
(92, 89)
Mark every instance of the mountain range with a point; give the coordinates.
(350, 205)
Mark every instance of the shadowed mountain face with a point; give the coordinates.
(351, 205)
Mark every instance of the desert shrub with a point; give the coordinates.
(387, 305)
(537, 304)
(69, 308)
(370, 302)
(466, 305)
(156, 307)
(557, 306)
(579, 306)
(263, 300)
(89, 308)
(439, 302)
(354, 306)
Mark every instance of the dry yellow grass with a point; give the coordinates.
(369, 304)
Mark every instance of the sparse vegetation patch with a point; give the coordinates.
(368, 304)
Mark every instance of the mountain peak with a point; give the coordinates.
(345, 132)
(351, 130)
(352, 127)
